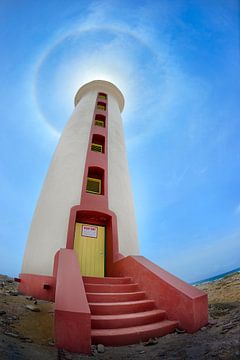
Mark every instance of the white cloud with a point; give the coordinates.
(237, 209)
(218, 255)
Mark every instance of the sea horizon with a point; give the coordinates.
(216, 277)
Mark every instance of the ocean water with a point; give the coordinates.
(217, 277)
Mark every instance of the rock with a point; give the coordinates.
(212, 322)
(180, 331)
(64, 355)
(93, 350)
(51, 342)
(142, 352)
(2, 312)
(203, 328)
(8, 333)
(151, 341)
(227, 327)
(67, 355)
(214, 354)
(35, 302)
(13, 293)
(11, 318)
(33, 308)
(100, 348)
(4, 322)
(29, 297)
(26, 339)
(10, 281)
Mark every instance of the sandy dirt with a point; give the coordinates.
(27, 334)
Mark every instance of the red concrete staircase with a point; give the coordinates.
(121, 314)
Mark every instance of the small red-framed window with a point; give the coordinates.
(101, 106)
(100, 120)
(98, 143)
(95, 181)
(102, 96)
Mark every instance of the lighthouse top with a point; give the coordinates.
(100, 85)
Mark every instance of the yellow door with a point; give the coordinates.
(89, 244)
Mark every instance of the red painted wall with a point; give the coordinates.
(103, 217)
(96, 159)
(183, 302)
(33, 285)
(72, 313)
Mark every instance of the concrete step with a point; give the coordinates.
(115, 297)
(106, 280)
(132, 335)
(110, 288)
(126, 307)
(127, 320)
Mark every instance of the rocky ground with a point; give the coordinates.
(26, 330)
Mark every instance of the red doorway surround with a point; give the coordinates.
(103, 217)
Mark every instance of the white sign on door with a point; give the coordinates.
(89, 231)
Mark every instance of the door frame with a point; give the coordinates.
(105, 218)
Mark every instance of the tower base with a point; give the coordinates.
(138, 298)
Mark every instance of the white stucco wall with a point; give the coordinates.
(61, 190)
(119, 184)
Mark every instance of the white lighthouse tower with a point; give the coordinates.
(82, 250)
(89, 168)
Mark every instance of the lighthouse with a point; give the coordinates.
(82, 251)
(89, 168)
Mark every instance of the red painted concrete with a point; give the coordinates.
(102, 216)
(124, 307)
(72, 332)
(33, 285)
(55, 264)
(115, 297)
(95, 159)
(72, 314)
(131, 335)
(180, 300)
(123, 321)
(127, 320)
(111, 288)
(107, 280)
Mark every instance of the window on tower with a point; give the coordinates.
(100, 120)
(98, 143)
(95, 181)
(102, 96)
(101, 106)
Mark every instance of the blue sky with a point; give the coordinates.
(177, 64)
